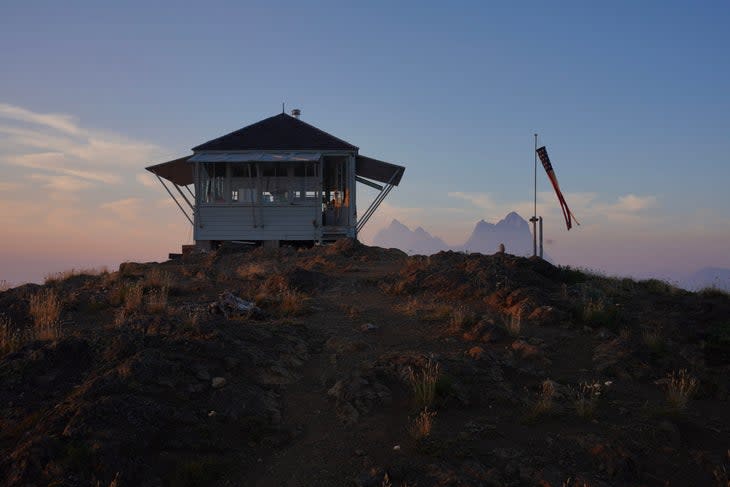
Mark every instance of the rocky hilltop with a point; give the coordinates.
(353, 365)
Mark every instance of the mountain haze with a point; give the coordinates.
(418, 241)
(513, 231)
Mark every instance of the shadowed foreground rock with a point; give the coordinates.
(310, 368)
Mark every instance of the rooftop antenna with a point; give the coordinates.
(282, 108)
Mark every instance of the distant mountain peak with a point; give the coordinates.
(483, 225)
(513, 219)
(417, 241)
(512, 231)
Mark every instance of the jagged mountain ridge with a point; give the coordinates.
(418, 241)
(513, 231)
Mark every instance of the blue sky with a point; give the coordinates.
(630, 98)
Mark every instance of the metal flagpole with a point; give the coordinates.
(534, 214)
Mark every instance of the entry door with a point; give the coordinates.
(336, 192)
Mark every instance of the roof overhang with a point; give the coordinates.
(256, 157)
(380, 171)
(178, 171)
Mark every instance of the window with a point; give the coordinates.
(243, 183)
(213, 182)
(305, 170)
(268, 183)
(274, 170)
(243, 171)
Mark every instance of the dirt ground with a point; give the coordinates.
(540, 375)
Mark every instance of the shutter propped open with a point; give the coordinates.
(381, 171)
(178, 171)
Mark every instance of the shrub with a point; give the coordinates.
(422, 424)
(45, 308)
(424, 382)
(4, 285)
(681, 386)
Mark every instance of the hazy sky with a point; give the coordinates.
(631, 99)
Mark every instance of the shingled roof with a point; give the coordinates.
(280, 132)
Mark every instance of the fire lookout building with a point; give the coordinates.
(277, 180)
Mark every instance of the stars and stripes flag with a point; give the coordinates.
(569, 217)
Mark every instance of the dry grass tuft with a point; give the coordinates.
(422, 424)
(157, 300)
(55, 277)
(460, 317)
(544, 404)
(722, 476)
(653, 338)
(253, 270)
(293, 303)
(352, 312)
(438, 312)
(410, 307)
(113, 483)
(513, 324)
(571, 482)
(191, 318)
(120, 317)
(157, 278)
(424, 382)
(4, 285)
(586, 400)
(132, 296)
(45, 308)
(681, 386)
(11, 338)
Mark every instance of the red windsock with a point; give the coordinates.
(569, 217)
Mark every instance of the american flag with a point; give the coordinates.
(569, 217)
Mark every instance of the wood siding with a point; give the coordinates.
(244, 222)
